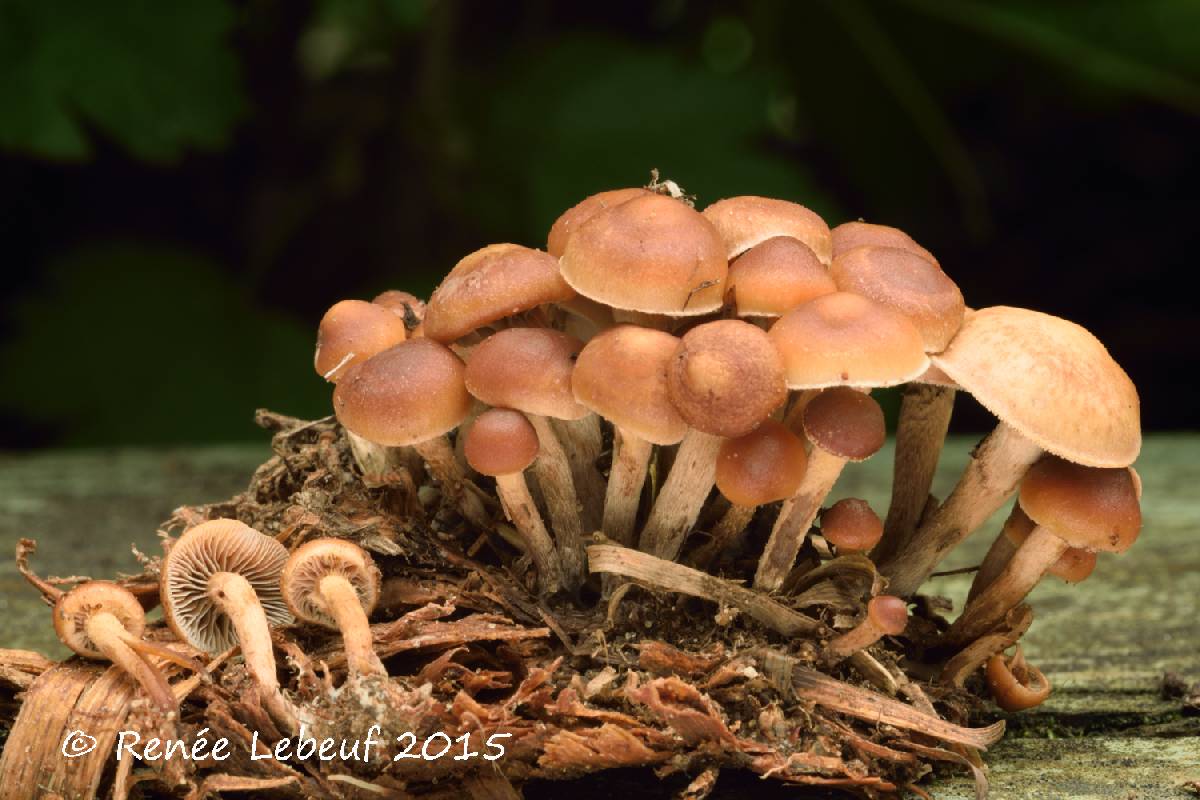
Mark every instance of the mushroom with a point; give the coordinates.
(773, 277)
(1091, 508)
(850, 235)
(1074, 566)
(638, 406)
(851, 526)
(1015, 684)
(405, 305)
(581, 212)
(502, 443)
(219, 584)
(886, 616)
(746, 221)
(724, 379)
(1054, 388)
(335, 584)
(351, 332)
(101, 620)
(843, 425)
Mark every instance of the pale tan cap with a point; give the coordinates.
(1051, 380)
(528, 369)
(74, 608)
(351, 332)
(749, 220)
(777, 275)
(652, 254)
(584, 210)
(849, 235)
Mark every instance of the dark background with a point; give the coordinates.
(186, 186)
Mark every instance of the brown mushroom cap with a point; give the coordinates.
(528, 369)
(777, 275)
(1072, 566)
(404, 304)
(745, 221)
(351, 332)
(908, 283)
(851, 525)
(845, 339)
(582, 211)
(501, 442)
(1051, 380)
(73, 608)
(652, 254)
(219, 545)
(404, 395)
(1087, 507)
(496, 282)
(1016, 685)
(845, 423)
(317, 559)
(621, 374)
(762, 466)
(850, 235)
(726, 377)
(888, 613)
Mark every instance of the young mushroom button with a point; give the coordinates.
(851, 526)
(351, 332)
(886, 616)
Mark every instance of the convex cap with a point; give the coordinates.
(351, 332)
(774, 277)
(851, 525)
(584, 210)
(845, 423)
(764, 466)
(501, 442)
(745, 221)
(1087, 507)
(528, 369)
(850, 235)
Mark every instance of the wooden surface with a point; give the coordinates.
(1105, 644)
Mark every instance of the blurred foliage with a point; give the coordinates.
(192, 183)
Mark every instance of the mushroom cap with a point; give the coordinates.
(726, 377)
(1051, 380)
(775, 276)
(888, 613)
(219, 545)
(850, 235)
(845, 423)
(528, 369)
(1072, 566)
(748, 220)
(905, 281)
(1093, 508)
(762, 466)
(621, 374)
(351, 332)
(317, 559)
(844, 339)
(935, 377)
(584, 210)
(73, 608)
(501, 442)
(407, 394)
(1012, 692)
(851, 525)
(496, 282)
(401, 303)
(653, 254)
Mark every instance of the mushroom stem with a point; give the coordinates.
(381, 465)
(795, 518)
(998, 555)
(924, 419)
(682, 496)
(795, 413)
(522, 511)
(109, 636)
(439, 455)
(631, 457)
(993, 474)
(344, 606)
(583, 442)
(236, 598)
(1027, 566)
(161, 651)
(885, 615)
(553, 472)
(724, 533)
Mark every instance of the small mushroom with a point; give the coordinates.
(335, 584)
(581, 212)
(503, 444)
(851, 526)
(773, 277)
(219, 585)
(748, 220)
(1074, 566)
(1014, 683)
(886, 616)
(351, 332)
(850, 235)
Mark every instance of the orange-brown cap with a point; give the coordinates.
(1088, 507)
(584, 210)
(406, 394)
(902, 280)
(528, 369)
(219, 545)
(851, 526)
(1072, 566)
(317, 559)
(496, 282)
(621, 374)
(845, 339)
(889, 614)
(351, 332)
(404, 304)
(850, 235)
(748, 220)
(761, 467)
(501, 442)
(72, 609)
(1015, 684)
(1051, 380)
(845, 423)
(774, 277)
(653, 254)
(726, 377)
